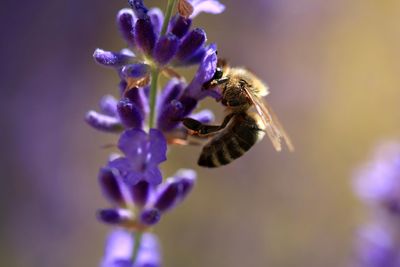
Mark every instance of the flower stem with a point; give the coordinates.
(167, 18)
(136, 245)
(155, 72)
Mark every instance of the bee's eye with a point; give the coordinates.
(218, 74)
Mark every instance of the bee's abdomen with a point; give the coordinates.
(231, 143)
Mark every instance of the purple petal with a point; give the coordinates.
(157, 18)
(150, 216)
(113, 216)
(191, 43)
(108, 105)
(125, 22)
(133, 143)
(111, 59)
(179, 26)
(122, 164)
(204, 73)
(149, 252)
(103, 122)
(170, 116)
(138, 97)
(145, 35)
(171, 91)
(138, 70)
(119, 246)
(153, 176)
(166, 48)
(186, 178)
(196, 58)
(206, 6)
(168, 195)
(139, 8)
(130, 114)
(189, 103)
(130, 169)
(110, 186)
(158, 147)
(133, 177)
(140, 193)
(203, 116)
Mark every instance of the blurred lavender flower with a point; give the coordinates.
(120, 245)
(377, 183)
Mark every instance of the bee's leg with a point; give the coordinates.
(215, 82)
(202, 130)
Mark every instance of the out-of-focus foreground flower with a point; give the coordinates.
(377, 183)
(157, 44)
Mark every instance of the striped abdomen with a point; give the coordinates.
(242, 132)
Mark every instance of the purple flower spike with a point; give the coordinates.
(143, 154)
(113, 216)
(150, 216)
(138, 70)
(108, 105)
(179, 26)
(110, 187)
(170, 116)
(204, 73)
(145, 35)
(157, 18)
(140, 193)
(103, 122)
(206, 6)
(126, 21)
(129, 114)
(111, 59)
(166, 48)
(191, 44)
(139, 8)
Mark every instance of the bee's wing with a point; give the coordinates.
(273, 127)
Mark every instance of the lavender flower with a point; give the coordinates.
(377, 183)
(158, 44)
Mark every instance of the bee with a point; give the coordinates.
(241, 129)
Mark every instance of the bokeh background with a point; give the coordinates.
(333, 67)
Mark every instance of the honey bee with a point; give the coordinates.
(241, 129)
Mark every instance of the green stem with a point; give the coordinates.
(155, 72)
(167, 18)
(136, 245)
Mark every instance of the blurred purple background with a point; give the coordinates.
(333, 71)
